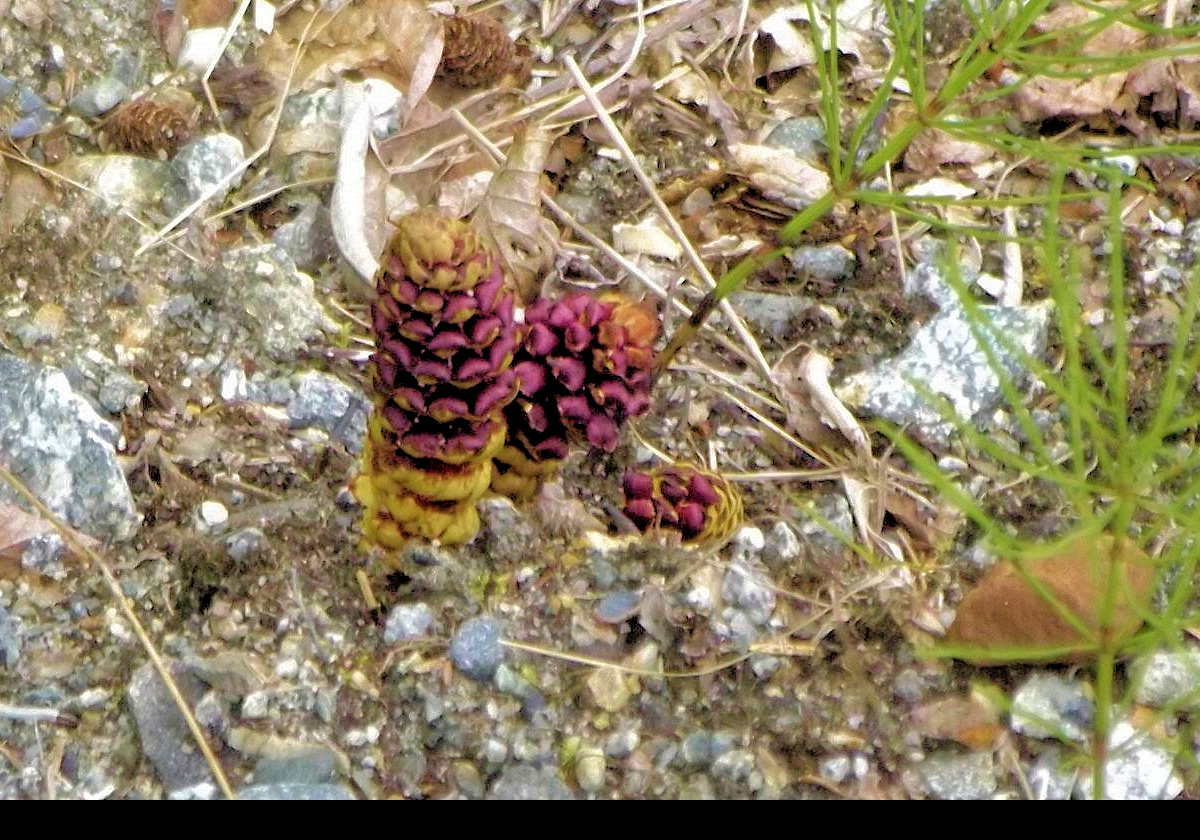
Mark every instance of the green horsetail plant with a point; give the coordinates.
(1125, 477)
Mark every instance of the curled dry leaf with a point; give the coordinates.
(398, 40)
(1005, 614)
(813, 411)
(1083, 95)
(934, 148)
(780, 175)
(971, 721)
(510, 215)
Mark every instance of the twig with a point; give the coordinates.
(665, 214)
(35, 714)
(212, 65)
(110, 580)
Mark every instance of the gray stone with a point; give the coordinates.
(1051, 706)
(468, 779)
(526, 782)
(590, 768)
(621, 744)
(164, 734)
(99, 97)
(202, 168)
(134, 183)
(508, 533)
(244, 544)
(783, 546)
(834, 768)
(827, 263)
(749, 590)
(696, 748)
(30, 124)
(120, 391)
(1169, 679)
(10, 639)
(63, 451)
(619, 606)
(406, 622)
(1139, 767)
(324, 401)
(294, 792)
(946, 360)
(772, 315)
(308, 237)
(1049, 778)
(735, 765)
(319, 766)
(44, 554)
(494, 751)
(927, 279)
(803, 135)
(476, 650)
(273, 299)
(951, 776)
(508, 680)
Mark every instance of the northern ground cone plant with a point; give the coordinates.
(441, 376)
(584, 369)
(701, 506)
(478, 52)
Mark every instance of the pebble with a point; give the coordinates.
(827, 263)
(782, 547)
(803, 135)
(165, 737)
(202, 168)
(494, 751)
(1169, 679)
(475, 648)
(607, 689)
(1049, 779)
(63, 450)
(100, 97)
(213, 514)
(93, 698)
(468, 779)
(954, 776)
(323, 401)
(244, 544)
(527, 782)
(256, 705)
(735, 765)
(621, 744)
(293, 792)
(618, 606)
(1139, 767)
(696, 748)
(10, 639)
(590, 768)
(406, 622)
(834, 768)
(1048, 705)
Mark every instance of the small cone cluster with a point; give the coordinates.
(149, 128)
(478, 52)
(701, 506)
(445, 335)
(584, 368)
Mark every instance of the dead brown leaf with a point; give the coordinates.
(1006, 614)
(510, 214)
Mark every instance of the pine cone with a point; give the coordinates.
(441, 375)
(478, 52)
(584, 369)
(700, 505)
(150, 128)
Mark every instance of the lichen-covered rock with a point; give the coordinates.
(701, 506)
(445, 335)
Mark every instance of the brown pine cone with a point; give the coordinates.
(478, 52)
(150, 128)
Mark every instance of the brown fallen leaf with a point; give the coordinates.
(1004, 614)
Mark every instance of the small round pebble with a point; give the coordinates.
(589, 768)
(476, 649)
(407, 621)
